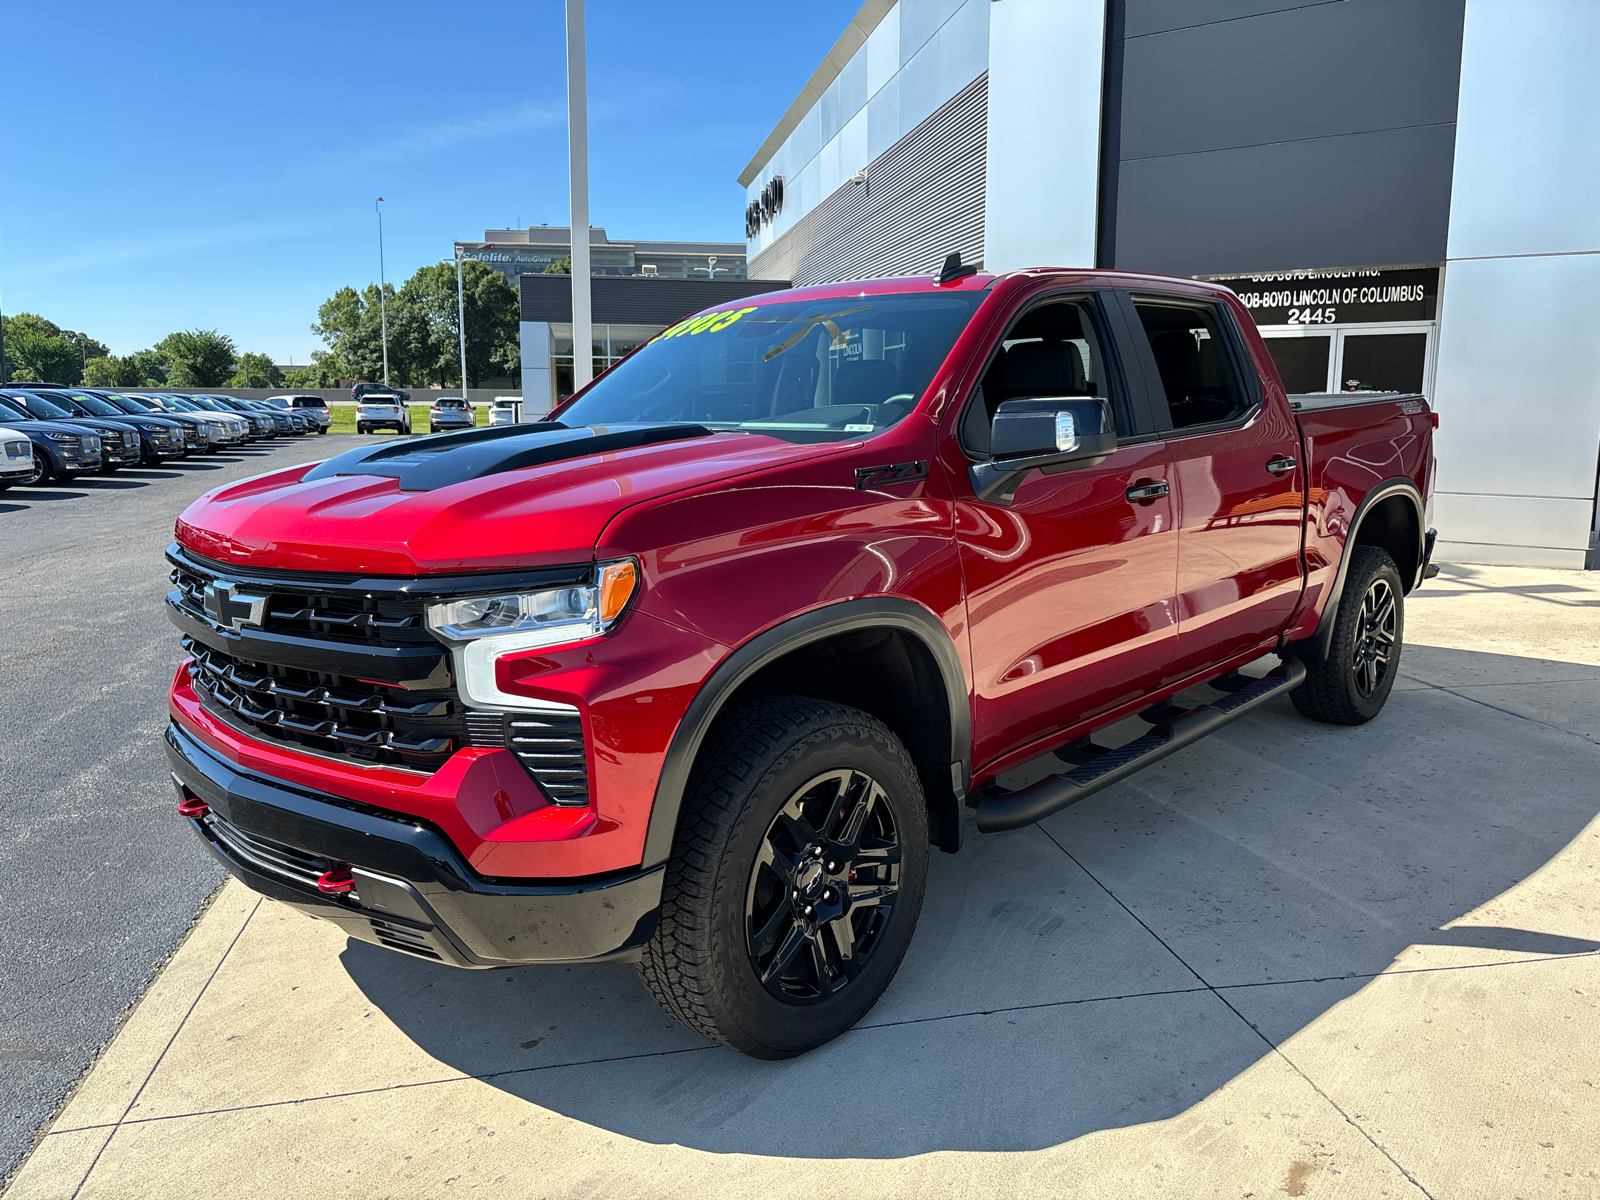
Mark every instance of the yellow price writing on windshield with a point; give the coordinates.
(707, 322)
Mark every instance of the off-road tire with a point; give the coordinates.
(755, 759)
(1333, 691)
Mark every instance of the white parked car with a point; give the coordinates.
(16, 457)
(381, 410)
(506, 410)
(313, 408)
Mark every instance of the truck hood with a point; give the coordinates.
(484, 500)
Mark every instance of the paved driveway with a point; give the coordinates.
(1291, 960)
(95, 888)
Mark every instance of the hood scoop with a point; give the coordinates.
(423, 464)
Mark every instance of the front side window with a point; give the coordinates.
(805, 371)
(1191, 353)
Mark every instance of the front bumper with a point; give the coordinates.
(414, 892)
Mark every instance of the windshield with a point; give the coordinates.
(9, 408)
(447, 402)
(97, 406)
(804, 371)
(310, 402)
(135, 408)
(203, 402)
(42, 409)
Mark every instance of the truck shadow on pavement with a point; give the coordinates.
(1114, 966)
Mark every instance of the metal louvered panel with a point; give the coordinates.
(550, 747)
(923, 198)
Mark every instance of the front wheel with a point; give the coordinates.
(795, 879)
(1351, 685)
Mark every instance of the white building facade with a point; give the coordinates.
(1400, 189)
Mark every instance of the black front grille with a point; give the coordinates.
(267, 855)
(327, 713)
(343, 716)
(305, 611)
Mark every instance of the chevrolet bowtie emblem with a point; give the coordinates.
(232, 608)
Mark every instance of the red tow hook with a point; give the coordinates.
(193, 807)
(337, 882)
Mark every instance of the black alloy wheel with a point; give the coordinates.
(1351, 685)
(823, 887)
(795, 879)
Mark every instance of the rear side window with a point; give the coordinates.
(1198, 374)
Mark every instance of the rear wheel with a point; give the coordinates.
(1352, 684)
(795, 880)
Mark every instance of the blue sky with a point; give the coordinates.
(173, 166)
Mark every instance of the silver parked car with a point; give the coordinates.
(313, 408)
(450, 412)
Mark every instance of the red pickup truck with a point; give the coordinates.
(695, 671)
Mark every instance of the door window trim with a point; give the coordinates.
(1233, 345)
(1118, 381)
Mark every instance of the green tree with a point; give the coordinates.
(492, 321)
(37, 350)
(201, 358)
(152, 367)
(561, 266)
(256, 371)
(109, 371)
(322, 372)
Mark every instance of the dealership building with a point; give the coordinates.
(1401, 192)
(532, 251)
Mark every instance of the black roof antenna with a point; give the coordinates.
(953, 270)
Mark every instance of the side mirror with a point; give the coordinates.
(1057, 432)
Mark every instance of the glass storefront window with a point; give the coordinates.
(1383, 362)
(1302, 362)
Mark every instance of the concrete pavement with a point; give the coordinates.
(94, 888)
(1291, 960)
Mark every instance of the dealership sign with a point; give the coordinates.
(488, 252)
(764, 207)
(1337, 297)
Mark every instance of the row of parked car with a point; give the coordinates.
(52, 434)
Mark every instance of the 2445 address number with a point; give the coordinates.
(1311, 316)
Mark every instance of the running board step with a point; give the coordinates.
(1013, 810)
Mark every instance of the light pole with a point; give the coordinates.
(578, 168)
(383, 310)
(461, 323)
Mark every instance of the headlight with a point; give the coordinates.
(483, 628)
(68, 438)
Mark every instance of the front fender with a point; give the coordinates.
(846, 616)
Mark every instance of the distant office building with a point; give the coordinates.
(1401, 191)
(624, 312)
(531, 251)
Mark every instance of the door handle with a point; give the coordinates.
(1145, 492)
(1281, 465)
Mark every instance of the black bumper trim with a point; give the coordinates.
(413, 878)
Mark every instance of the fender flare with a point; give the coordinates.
(845, 616)
(1317, 645)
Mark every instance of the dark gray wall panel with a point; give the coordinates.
(1159, 16)
(635, 299)
(1363, 200)
(1309, 72)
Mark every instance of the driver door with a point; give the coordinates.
(1070, 585)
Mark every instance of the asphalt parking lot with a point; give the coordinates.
(1292, 960)
(96, 883)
